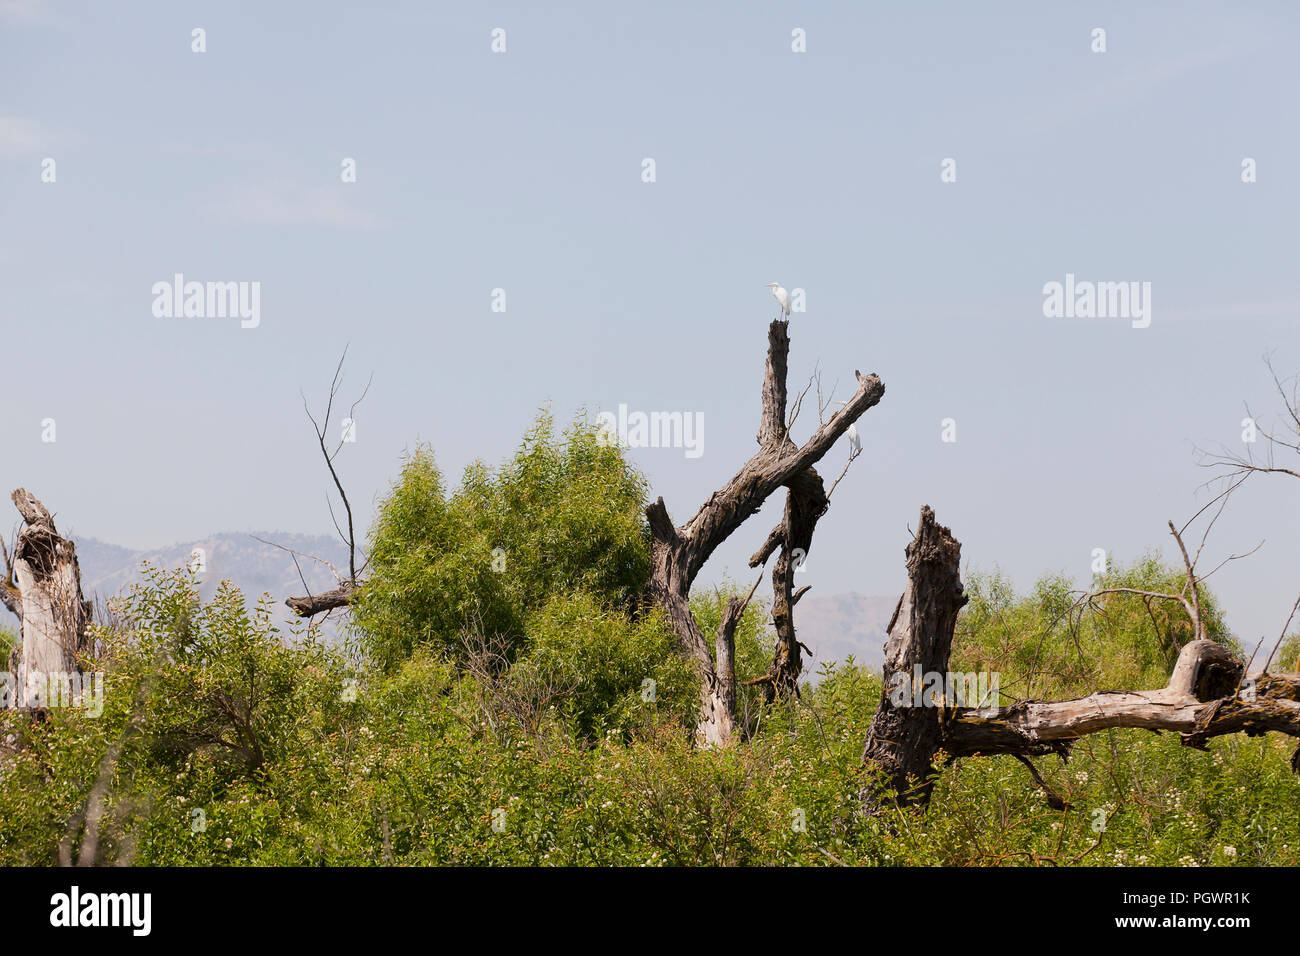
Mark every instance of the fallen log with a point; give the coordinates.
(1201, 701)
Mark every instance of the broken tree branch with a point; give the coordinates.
(725, 645)
(1200, 701)
(313, 604)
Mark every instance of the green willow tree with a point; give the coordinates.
(563, 515)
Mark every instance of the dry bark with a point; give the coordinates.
(901, 741)
(678, 553)
(310, 604)
(805, 503)
(725, 647)
(50, 606)
(1201, 701)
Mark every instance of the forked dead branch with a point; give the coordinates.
(679, 552)
(309, 605)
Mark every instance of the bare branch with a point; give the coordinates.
(1191, 582)
(302, 554)
(341, 595)
(853, 456)
(1282, 636)
(1235, 465)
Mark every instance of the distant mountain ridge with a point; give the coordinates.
(834, 627)
(108, 570)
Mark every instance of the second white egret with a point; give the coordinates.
(855, 443)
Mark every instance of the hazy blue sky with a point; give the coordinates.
(522, 171)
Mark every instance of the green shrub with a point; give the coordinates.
(563, 515)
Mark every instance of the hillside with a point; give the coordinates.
(108, 570)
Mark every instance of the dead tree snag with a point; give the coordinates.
(678, 553)
(902, 740)
(43, 587)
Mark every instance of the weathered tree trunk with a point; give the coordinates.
(678, 553)
(902, 740)
(53, 613)
(805, 503)
(670, 588)
(725, 652)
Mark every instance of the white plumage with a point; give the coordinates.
(855, 443)
(781, 296)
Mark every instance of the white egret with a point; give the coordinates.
(781, 296)
(855, 443)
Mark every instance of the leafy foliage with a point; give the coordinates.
(1048, 645)
(532, 715)
(564, 514)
